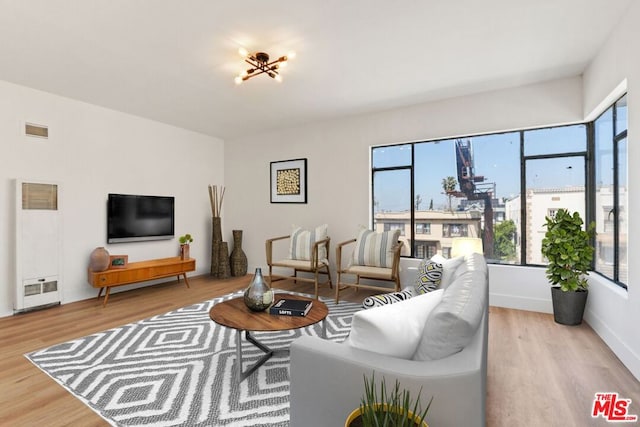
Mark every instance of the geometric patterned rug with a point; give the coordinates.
(178, 369)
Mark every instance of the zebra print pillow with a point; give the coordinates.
(429, 276)
(384, 299)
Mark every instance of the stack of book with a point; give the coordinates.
(291, 307)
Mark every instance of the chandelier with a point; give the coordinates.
(260, 64)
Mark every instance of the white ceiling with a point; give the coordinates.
(174, 61)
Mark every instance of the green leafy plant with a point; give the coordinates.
(186, 239)
(390, 408)
(567, 247)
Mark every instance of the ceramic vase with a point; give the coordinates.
(184, 252)
(238, 258)
(99, 259)
(258, 296)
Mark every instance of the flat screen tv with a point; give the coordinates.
(135, 218)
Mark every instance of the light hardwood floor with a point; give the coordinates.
(539, 373)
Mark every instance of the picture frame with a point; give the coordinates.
(289, 181)
(118, 261)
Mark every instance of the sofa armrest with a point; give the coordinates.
(327, 381)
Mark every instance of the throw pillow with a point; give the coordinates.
(384, 299)
(302, 241)
(449, 267)
(375, 249)
(429, 276)
(395, 329)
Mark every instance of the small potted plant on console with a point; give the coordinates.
(184, 245)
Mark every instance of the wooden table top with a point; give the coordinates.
(235, 314)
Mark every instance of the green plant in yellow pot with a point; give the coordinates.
(394, 408)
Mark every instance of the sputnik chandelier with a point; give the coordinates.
(260, 64)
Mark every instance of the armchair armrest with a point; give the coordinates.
(269, 247)
(314, 251)
(339, 252)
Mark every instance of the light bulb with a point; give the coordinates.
(283, 64)
(244, 73)
(278, 78)
(238, 80)
(243, 52)
(291, 55)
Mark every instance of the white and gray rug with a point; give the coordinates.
(178, 369)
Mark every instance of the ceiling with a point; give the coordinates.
(174, 61)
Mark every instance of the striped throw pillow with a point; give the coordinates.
(384, 299)
(302, 241)
(375, 249)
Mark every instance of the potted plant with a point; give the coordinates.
(567, 247)
(184, 245)
(393, 408)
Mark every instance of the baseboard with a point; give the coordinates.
(521, 303)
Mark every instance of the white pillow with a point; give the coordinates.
(302, 241)
(449, 266)
(395, 329)
(453, 323)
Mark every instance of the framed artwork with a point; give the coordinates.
(289, 181)
(118, 261)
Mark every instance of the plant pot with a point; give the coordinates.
(568, 307)
(355, 418)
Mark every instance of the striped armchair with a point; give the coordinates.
(308, 253)
(376, 256)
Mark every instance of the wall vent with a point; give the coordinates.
(38, 131)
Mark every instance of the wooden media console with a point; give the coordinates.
(140, 272)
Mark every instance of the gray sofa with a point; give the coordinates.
(327, 377)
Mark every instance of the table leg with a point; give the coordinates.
(268, 353)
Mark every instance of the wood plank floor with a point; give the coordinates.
(540, 373)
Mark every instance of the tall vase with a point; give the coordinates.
(238, 257)
(258, 296)
(216, 243)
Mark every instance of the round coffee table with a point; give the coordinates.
(235, 314)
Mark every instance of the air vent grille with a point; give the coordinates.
(38, 131)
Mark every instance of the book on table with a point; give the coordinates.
(291, 307)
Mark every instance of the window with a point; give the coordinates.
(394, 226)
(423, 228)
(480, 186)
(610, 200)
(454, 230)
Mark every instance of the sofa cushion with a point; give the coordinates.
(394, 329)
(302, 241)
(388, 298)
(375, 249)
(429, 276)
(449, 268)
(453, 323)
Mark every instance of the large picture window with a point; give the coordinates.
(499, 187)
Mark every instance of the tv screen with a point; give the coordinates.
(133, 218)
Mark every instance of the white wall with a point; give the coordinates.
(611, 311)
(91, 152)
(338, 169)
